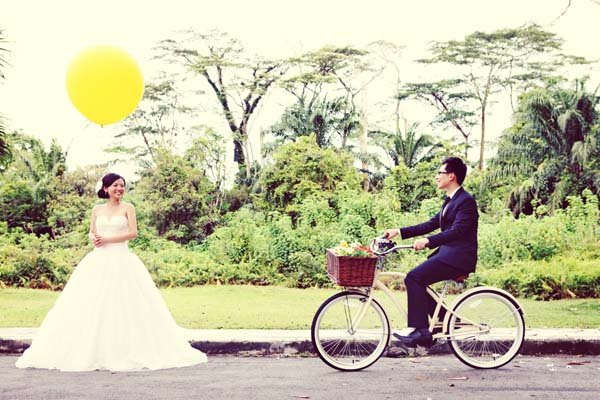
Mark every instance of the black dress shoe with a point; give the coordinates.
(418, 337)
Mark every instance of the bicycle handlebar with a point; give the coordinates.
(383, 253)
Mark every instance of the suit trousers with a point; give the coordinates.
(420, 304)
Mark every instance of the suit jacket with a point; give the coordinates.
(457, 242)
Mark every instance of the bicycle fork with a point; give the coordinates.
(354, 323)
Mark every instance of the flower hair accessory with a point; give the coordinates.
(98, 186)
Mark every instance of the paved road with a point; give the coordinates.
(435, 377)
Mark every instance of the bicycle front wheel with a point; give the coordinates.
(349, 332)
(487, 329)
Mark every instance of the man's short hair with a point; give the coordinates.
(456, 166)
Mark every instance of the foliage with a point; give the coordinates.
(511, 59)
(178, 199)
(545, 257)
(35, 261)
(302, 169)
(31, 187)
(553, 149)
(406, 147)
(328, 69)
(207, 153)
(561, 277)
(274, 225)
(222, 62)
(155, 124)
(412, 185)
(452, 101)
(329, 120)
(5, 151)
(541, 238)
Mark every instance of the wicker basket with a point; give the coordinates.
(351, 271)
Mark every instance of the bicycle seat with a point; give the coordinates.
(461, 278)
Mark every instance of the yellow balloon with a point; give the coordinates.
(105, 84)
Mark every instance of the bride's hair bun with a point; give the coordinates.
(102, 194)
(108, 180)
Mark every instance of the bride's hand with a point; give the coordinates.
(98, 241)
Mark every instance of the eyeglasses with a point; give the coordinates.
(443, 172)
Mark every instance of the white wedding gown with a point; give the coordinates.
(110, 316)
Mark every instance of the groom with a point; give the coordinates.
(456, 248)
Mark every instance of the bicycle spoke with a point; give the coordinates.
(343, 345)
(500, 333)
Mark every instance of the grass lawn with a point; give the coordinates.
(271, 307)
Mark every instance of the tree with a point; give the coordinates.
(328, 73)
(301, 169)
(207, 154)
(179, 199)
(410, 186)
(407, 148)
(5, 152)
(239, 82)
(450, 99)
(30, 184)
(324, 118)
(346, 70)
(552, 150)
(497, 60)
(568, 6)
(156, 123)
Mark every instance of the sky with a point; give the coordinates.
(44, 36)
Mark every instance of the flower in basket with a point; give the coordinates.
(353, 249)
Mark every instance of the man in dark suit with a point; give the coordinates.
(456, 248)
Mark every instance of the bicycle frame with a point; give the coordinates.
(378, 284)
(484, 326)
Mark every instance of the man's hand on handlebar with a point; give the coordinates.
(420, 244)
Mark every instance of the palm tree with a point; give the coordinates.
(5, 153)
(406, 147)
(4, 146)
(326, 119)
(553, 148)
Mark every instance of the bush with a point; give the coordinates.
(544, 256)
(30, 261)
(562, 277)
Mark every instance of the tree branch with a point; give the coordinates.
(565, 11)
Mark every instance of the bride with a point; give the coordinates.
(110, 314)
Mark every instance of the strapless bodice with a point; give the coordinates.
(110, 226)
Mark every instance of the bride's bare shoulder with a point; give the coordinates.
(128, 206)
(97, 208)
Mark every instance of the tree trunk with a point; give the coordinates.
(482, 144)
(363, 141)
(238, 152)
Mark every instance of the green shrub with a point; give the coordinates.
(544, 256)
(561, 277)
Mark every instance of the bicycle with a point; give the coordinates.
(350, 331)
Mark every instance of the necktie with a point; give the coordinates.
(443, 210)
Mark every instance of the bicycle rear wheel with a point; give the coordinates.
(339, 341)
(487, 329)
